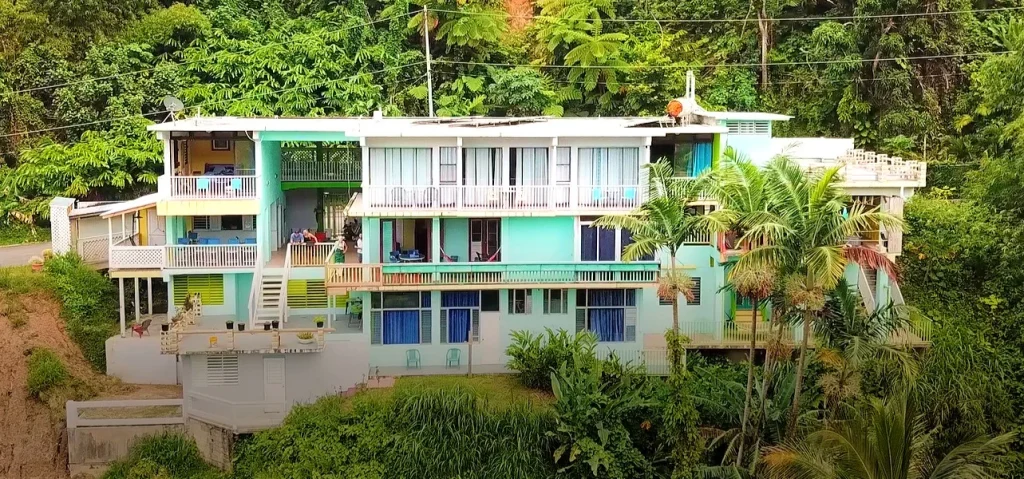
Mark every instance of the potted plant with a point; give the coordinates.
(165, 327)
(275, 324)
(266, 326)
(229, 324)
(36, 262)
(319, 321)
(241, 327)
(47, 254)
(305, 338)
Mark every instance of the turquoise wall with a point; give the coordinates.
(243, 287)
(371, 240)
(525, 240)
(456, 237)
(269, 193)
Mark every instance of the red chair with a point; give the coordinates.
(321, 237)
(141, 327)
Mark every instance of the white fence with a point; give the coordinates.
(213, 187)
(95, 249)
(234, 415)
(158, 412)
(137, 257)
(211, 256)
(525, 198)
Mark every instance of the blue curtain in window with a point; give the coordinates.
(607, 323)
(605, 244)
(458, 325)
(401, 327)
(605, 297)
(701, 159)
(460, 299)
(588, 243)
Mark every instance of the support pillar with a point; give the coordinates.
(149, 295)
(120, 298)
(138, 307)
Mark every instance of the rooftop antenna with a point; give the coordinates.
(173, 105)
(691, 85)
(426, 51)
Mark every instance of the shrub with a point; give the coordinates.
(535, 357)
(88, 305)
(45, 372)
(169, 455)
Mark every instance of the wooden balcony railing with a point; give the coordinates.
(495, 275)
(309, 254)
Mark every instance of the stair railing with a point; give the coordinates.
(866, 293)
(256, 290)
(282, 313)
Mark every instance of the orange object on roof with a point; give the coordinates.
(675, 108)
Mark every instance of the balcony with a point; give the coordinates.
(501, 198)
(183, 256)
(209, 335)
(321, 165)
(235, 187)
(409, 277)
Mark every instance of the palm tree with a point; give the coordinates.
(739, 186)
(884, 439)
(804, 237)
(663, 223)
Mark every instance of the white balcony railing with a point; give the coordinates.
(142, 257)
(211, 256)
(515, 198)
(212, 187)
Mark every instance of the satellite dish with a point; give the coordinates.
(173, 106)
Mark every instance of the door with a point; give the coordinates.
(157, 234)
(273, 384)
(484, 237)
(387, 239)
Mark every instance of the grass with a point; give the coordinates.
(498, 390)
(22, 280)
(19, 233)
(45, 372)
(137, 412)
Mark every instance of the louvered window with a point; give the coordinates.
(200, 222)
(695, 290)
(209, 286)
(221, 370)
(737, 127)
(303, 293)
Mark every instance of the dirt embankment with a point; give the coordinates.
(32, 443)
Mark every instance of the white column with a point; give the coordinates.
(149, 295)
(138, 307)
(506, 171)
(120, 297)
(435, 173)
(574, 187)
(460, 191)
(552, 166)
(168, 153)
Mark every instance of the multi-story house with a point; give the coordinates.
(471, 228)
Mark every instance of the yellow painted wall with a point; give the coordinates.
(207, 208)
(201, 153)
(143, 228)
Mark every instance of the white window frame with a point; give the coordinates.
(514, 301)
(558, 305)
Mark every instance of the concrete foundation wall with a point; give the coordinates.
(105, 444)
(138, 360)
(215, 444)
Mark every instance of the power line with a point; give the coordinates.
(731, 65)
(747, 20)
(197, 60)
(208, 103)
(789, 82)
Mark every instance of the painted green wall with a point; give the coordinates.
(456, 237)
(269, 193)
(537, 239)
(243, 287)
(371, 240)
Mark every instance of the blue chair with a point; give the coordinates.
(250, 241)
(394, 256)
(203, 184)
(183, 241)
(453, 358)
(236, 183)
(233, 240)
(204, 240)
(212, 240)
(192, 235)
(597, 194)
(416, 253)
(629, 194)
(412, 358)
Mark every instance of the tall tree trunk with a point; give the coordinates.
(762, 26)
(750, 384)
(795, 409)
(769, 369)
(675, 306)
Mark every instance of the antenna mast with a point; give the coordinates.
(426, 51)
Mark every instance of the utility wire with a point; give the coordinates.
(736, 65)
(206, 58)
(208, 103)
(747, 20)
(789, 82)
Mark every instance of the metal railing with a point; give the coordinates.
(254, 290)
(654, 361)
(335, 164)
(211, 256)
(513, 198)
(212, 187)
(867, 292)
(372, 276)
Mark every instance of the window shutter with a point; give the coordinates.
(221, 370)
(695, 290)
(444, 326)
(581, 319)
(375, 326)
(214, 223)
(209, 286)
(629, 319)
(200, 222)
(737, 127)
(529, 302)
(249, 222)
(425, 318)
(307, 293)
(476, 325)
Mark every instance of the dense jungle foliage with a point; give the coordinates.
(939, 81)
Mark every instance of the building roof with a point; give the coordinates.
(132, 206)
(468, 127)
(93, 208)
(811, 149)
(747, 116)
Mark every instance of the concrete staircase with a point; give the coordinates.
(872, 276)
(271, 298)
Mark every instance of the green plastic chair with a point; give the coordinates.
(453, 357)
(412, 358)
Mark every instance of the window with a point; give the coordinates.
(608, 313)
(460, 315)
(664, 301)
(449, 170)
(400, 318)
(519, 301)
(400, 167)
(605, 244)
(609, 166)
(304, 293)
(201, 223)
(563, 170)
(231, 222)
(556, 301)
(220, 370)
(528, 166)
(209, 286)
(221, 145)
(749, 127)
(691, 157)
(489, 301)
(695, 291)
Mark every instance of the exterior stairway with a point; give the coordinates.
(866, 287)
(271, 298)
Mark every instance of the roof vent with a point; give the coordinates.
(377, 114)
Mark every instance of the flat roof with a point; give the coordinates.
(468, 127)
(748, 116)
